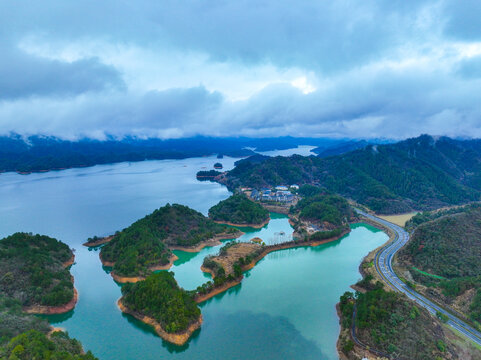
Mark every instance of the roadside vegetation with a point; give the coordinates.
(389, 323)
(238, 209)
(159, 297)
(444, 255)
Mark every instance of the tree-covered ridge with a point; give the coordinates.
(322, 208)
(145, 243)
(416, 174)
(449, 247)
(238, 209)
(425, 216)
(32, 271)
(160, 298)
(36, 345)
(389, 323)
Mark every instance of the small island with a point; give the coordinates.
(161, 303)
(238, 210)
(218, 165)
(34, 271)
(207, 175)
(227, 267)
(147, 244)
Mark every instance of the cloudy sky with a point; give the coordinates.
(169, 69)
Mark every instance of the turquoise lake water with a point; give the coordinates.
(284, 308)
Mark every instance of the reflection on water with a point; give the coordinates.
(187, 267)
(284, 308)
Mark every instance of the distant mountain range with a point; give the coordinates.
(37, 153)
(416, 174)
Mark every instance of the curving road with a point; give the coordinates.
(383, 264)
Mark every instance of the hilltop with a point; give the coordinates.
(144, 245)
(239, 210)
(159, 302)
(34, 278)
(422, 173)
(33, 271)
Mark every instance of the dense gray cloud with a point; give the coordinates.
(170, 69)
(23, 75)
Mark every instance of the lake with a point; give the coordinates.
(284, 308)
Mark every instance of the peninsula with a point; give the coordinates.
(238, 210)
(35, 279)
(319, 214)
(146, 245)
(34, 271)
(158, 301)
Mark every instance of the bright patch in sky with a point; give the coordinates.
(347, 68)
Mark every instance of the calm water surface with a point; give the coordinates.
(284, 308)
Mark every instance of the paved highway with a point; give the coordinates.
(383, 264)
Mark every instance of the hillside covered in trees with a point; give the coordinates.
(159, 297)
(34, 344)
(32, 270)
(422, 173)
(146, 242)
(239, 210)
(324, 208)
(389, 323)
(444, 254)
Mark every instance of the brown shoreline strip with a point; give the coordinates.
(270, 248)
(175, 338)
(215, 241)
(51, 310)
(134, 279)
(255, 226)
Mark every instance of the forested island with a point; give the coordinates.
(422, 173)
(443, 259)
(34, 278)
(207, 175)
(159, 302)
(319, 214)
(33, 271)
(389, 325)
(238, 210)
(146, 245)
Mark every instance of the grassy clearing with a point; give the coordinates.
(400, 220)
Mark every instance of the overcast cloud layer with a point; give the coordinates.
(394, 68)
